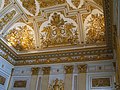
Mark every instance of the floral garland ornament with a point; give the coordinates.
(58, 31)
(21, 38)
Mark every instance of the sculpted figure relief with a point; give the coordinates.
(56, 85)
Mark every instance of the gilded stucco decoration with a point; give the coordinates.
(75, 4)
(99, 2)
(6, 18)
(95, 28)
(31, 7)
(101, 82)
(56, 85)
(48, 3)
(21, 38)
(58, 31)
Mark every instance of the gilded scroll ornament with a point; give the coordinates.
(56, 85)
(59, 32)
(96, 29)
(21, 38)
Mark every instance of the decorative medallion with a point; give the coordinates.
(58, 31)
(76, 4)
(21, 38)
(95, 28)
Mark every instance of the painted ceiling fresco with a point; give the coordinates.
(31, 26)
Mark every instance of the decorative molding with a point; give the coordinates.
(97, 52)
(82, 68)
(69, 69)
(20, 84)
(101, 82)
(35, 70)
(46, 70)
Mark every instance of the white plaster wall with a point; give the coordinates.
(100, 75)
(17, 78)
(5, 71)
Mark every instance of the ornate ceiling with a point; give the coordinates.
(39, 29)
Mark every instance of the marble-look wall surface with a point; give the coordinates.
(54, 76)
(5, 73)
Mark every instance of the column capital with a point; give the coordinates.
(69, 69)
(82, 68)
(46, 70)
(35, 70)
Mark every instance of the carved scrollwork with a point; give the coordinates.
(58, 31)
(96, 29)
(21, 38)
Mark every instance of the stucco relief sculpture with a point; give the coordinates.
(58, 31)
(96, 29)
(29, 5)
(6, 18)
(56, 85)
(21, 38)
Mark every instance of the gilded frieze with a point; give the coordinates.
(82, 68)
(21, 38)
(6, 18)
(95, 31)
(58, 31)
(48, 3)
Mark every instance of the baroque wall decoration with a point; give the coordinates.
(20, 84)
(76, 4)
(58, 31)
(95, 28)
(56, 85)
(21, 38)
(2, 80)
(6, 18)
(31, 7)
(100, 82)
(48, 3)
